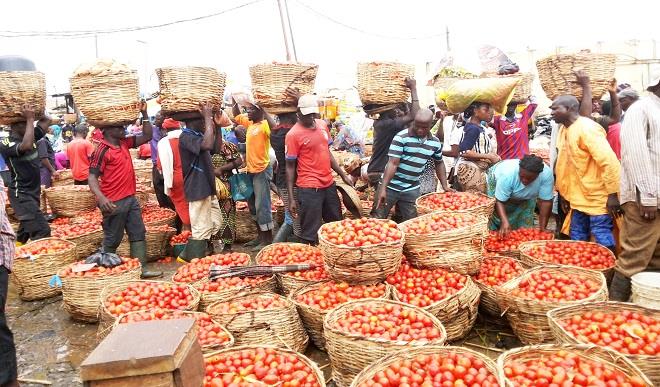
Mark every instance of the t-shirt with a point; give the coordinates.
(613, 137)
(23, 167)
(311, 149)
(114, 167)
(413, 154)
(277, 141)
(384, 131)
(508, 184)
(79, 151)
(475, 139)
(45, 151)
(198, 177)
(513, 136)
(257, 143)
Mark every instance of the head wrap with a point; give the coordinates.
(170, 124)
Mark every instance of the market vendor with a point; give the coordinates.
(516, 185)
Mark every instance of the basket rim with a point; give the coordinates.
(375, 246)
(205, 277)
(478, 219)
(417, 201)
(139, 267)
(517, 261)
(272, 246)
(254, 293)
(313, 286)
(468, 282)
(105, 292)
(72, 246)
(528, 245)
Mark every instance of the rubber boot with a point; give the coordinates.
(194, 249)
(139, 251)
(283, 234)
(619, 288)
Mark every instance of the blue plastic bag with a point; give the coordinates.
(241, 186)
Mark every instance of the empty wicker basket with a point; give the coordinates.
(270, 81)
(183, 88)
(383, 82)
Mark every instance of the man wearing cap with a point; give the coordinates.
(309, 166)
(639, 191)
(627, 97)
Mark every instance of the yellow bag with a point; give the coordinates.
(495, 91)
(222, 189)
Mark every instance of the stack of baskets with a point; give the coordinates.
(557, 73)
(271, 80)
(382, 83)
(18, 88)
(182, 89)
(70, 200)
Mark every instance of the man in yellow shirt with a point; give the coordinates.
(587, 173)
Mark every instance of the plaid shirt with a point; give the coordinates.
(7, 236)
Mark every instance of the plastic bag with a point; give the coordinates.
(104, 259)
(495, 91)
(241, 186)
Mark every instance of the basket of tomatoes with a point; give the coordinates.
(156, 238)
(494, 271)
(435, 366)
(451, 297)
(70, 200)
(449, 240)
(361, 251)
(210, 334)
(475, 203)
(261, 318)
(224, 288)
(510, 244)
(35, 264)
(316, 300)
(588, 255)
(361, 332)
(528, 298)
(198, 268)
(153, 215)
(87, 236)
(290, 254)
(629, 329)
(82, 286)
(576, 365)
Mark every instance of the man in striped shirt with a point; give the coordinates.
(408, 154)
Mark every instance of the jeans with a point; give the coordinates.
(33, 223)
(127, 216)
(8, 368)
(259, 202)
(317, 205)
(404, 202)
(600, 226)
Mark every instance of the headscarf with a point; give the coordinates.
(170, 124)
(56, 140)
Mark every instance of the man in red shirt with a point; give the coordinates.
(115, 193)
(308, 165)
(512, 131)
(79, 151)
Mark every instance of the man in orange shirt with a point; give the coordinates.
(79, 152)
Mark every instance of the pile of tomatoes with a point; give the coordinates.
(388, 321)
(69, 231)
(230, 283)
(47, 246)
(289, 254)
(439, 222)
(99, 271)
(209, 333)
(148, 295)
(251, 303)
(152, 214)
(423, 287)
(563, 367)
(89, 216)
(60, 221)
(182, 238)
(361, 232)
(574, 253)
(496, 271)
(329, 295)
(446, 369)
(625, 331)
(258, 367)
(453, 201)
(495, 242)
(555, 287)
(198, 268)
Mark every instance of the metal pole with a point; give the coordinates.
(96, 45)
(288, 20)
(286, 39)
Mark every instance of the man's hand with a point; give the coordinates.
(612, 86)
(582, 77)
(505, 228)
(143, 108)
(293, 93)
(206, 109)
(410, 82)
(382, 198)
(347, 179)
(107, 207)
(648, 212)
(565, 205)
(28, 111)
(613, 206)
(448, 189)
(293, 208)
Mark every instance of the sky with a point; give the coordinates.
(336, 34)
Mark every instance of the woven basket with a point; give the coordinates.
(80, 295)
(650, 365)
(270, 81)
(65, 178)
(528, 317)
(458, 312)
(588, 352)
(361, 265)
(70, 200)
(459, 250)
(205, 348)
(156, 243)
(441, 83)
(312, 318)
(529, 261)
(208, 298)
(170, 220)
(483, 210)
(287, 283)
(246, 229)
(557, 73)
(183, 88)
(32, 276)
(18, 88)
(383, 82)
(108, 99)
(382, 364)
(488, 302)
(143, 174)
(87, 244)
(280, 327)
(524, 88)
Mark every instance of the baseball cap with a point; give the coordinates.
(629, 92)
(655, 79)
(308, 104)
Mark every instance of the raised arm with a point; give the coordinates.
(586, 105)
(147, 130)
(209, 126)
(412, 85)
(615, 105)
(28, 138)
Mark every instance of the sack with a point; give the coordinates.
(104, 259)
(222, 189)
(241, 186)
(495, 91)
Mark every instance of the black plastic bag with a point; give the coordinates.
(101, 258)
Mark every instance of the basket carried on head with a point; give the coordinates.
(649, 364)
(32, 274)
(530, 259)
(157, 239)
(288, 282)
(269, 284)
(611, 359)
(278, 326)
(350, 353)
(183, 88)
(107, 93)
(557, 73)
(18, 88)
(383, 82)
(528, 317)
(270, 81)
(524, 88)
(246, 229)
(486, 207)
(70, 200)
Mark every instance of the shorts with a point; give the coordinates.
(600, 226)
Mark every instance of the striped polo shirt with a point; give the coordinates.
(414, 153)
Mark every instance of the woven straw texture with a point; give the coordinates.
(183, 88)
(483, 210)
(557, 73)
(524, 88)
(528, 317)
(529, 260)
(208, 298)
(488, 302)
(109, 99)
(70, 200)
(87, 244)
(650, 365)
(65, 178)
(157, 241)
(351, 353)
(18, 88)
(167, 221)
(383, 82)
(246, 229)
(270, 81)
(287, 283)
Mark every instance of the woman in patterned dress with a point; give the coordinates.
(225, 159)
